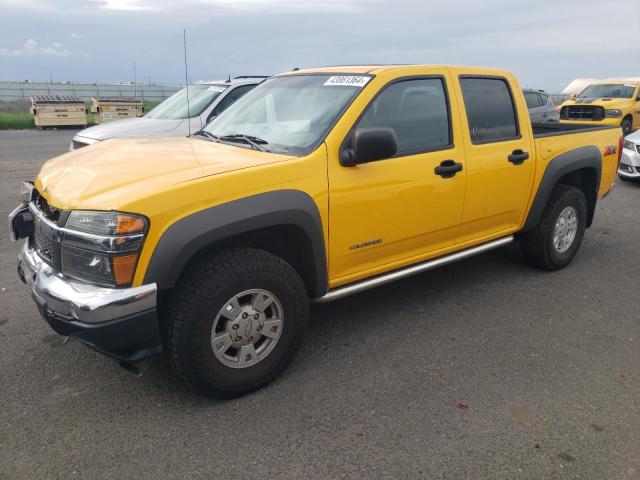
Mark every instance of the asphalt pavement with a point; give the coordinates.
(484, 369)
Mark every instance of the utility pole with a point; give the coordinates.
(135, 81)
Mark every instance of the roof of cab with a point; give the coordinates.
(374, 69)
(615, 82)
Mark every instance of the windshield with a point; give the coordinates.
(175, 107)
(289, 114)
(610, 90)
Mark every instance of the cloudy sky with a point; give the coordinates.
(546, 43)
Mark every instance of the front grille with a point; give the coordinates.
(76, 144)
(582, 112)
(44, 239)
(46, 247)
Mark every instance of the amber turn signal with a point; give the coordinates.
(124, 266)
(128, 224)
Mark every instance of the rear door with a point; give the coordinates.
(499, 152)
(389, 212)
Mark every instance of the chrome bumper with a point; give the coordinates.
(74, 301)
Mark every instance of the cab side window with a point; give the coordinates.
(418, 112)
(490, 109)
(230, 98)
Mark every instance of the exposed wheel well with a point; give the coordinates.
(288, 242)
(586, 180)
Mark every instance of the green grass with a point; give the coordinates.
(16, 120)
(20, 120)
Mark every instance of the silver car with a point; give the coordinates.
(541, 106)
(629, 168)
(172, 118)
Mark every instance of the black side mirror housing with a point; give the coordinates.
(368, 145)
(638, 97)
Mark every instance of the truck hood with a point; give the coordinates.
(132, 127)
(607, 103)
(112, 174)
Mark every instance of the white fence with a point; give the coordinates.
(12, 91)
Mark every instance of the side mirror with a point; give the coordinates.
(638, 97)
(369, 145)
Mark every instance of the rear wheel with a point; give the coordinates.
(626, 126)
(236, 319)
(553, 244)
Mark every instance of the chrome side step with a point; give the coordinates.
(362, 285)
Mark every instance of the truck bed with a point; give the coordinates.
(551, 129)
(553, 139)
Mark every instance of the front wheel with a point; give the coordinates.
(235, 321)
(553, 244)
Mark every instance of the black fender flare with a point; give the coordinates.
(565, 163)
(189, 235)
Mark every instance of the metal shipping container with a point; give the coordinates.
(109, 109)
(58, 111)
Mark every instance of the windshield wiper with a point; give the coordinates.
(254, 142)
(203, 133)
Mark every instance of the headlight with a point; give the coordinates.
(629, 145)
(613, 113)
(109, 258)
(105, 223)
(99, 268)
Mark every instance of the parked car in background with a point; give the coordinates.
(611, 103)
(541, 107)
(173, 118)
(629, 168)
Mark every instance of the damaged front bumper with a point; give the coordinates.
(119, 322)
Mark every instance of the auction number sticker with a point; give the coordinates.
(216, 88)
(347, 81)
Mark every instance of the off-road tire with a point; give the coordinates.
(537, 245)
(203, 290)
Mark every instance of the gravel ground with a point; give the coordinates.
(482, 369)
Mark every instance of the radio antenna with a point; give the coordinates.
(186, 78)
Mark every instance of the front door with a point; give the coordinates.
(385, 213)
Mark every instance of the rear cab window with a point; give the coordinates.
(490, 108)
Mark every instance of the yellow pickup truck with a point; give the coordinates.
(317, 184)
(610, 103)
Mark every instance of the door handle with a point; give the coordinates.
(517, 157)
(448, 169)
